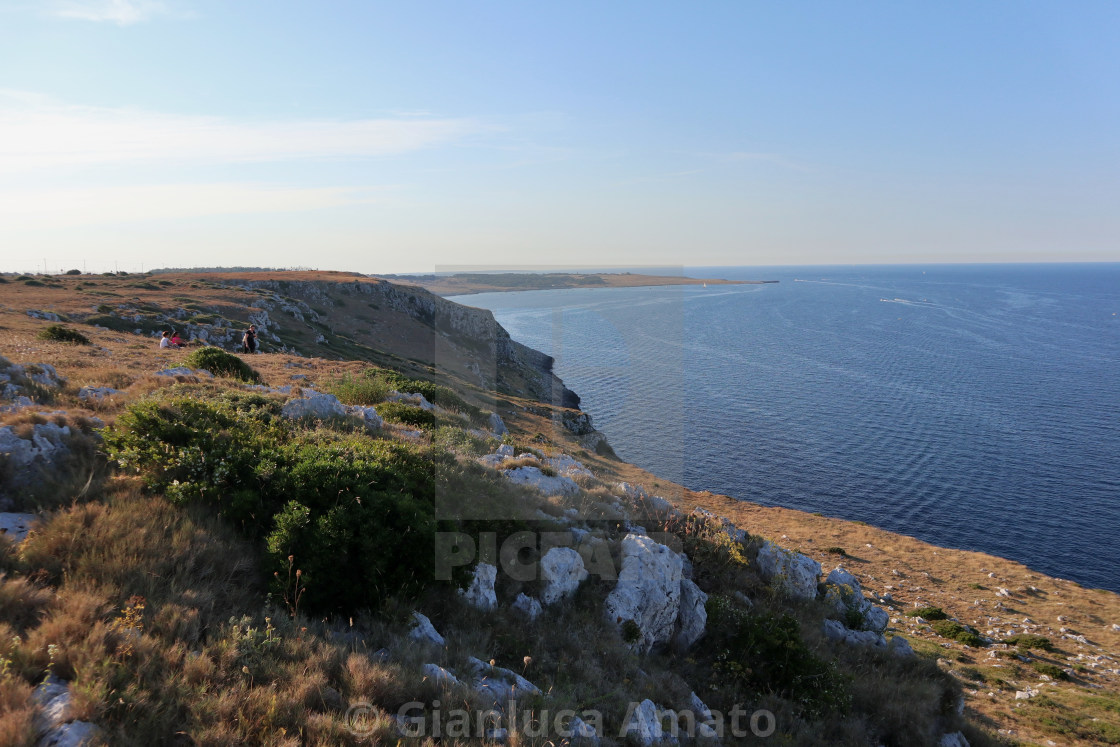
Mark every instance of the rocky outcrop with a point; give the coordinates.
(481, 593)
(693, 617)
(527, 606)
(834, 630)
(423, 631)
(643, 725)
(794, 573)
(16, 526)
(562, 571)
(652, 604)
(314, 405)
(477, 345)
(55, 725)
(844, 594)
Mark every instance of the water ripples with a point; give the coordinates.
(980, 413)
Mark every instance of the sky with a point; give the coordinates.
(392, 137)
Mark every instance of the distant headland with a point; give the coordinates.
(466, 283)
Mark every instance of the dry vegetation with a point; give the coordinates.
(157, 613)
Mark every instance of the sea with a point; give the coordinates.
(970, 406)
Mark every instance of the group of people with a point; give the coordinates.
(171, 339)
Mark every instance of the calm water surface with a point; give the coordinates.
(970, 406)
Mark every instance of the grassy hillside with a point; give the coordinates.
(210, 569)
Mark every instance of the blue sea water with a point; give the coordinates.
(971, 406)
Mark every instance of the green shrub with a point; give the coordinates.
(928, 613)
(360, 390)
(1050, 670)
(957, 632)
(58, 333)
(356, 514)
(765, 652)
(73, 272)
(374, 385)
(837, 551)
(220, 363)
(1028, 641)
(399, 412)
(34, 283)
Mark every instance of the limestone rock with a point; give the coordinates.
(314, 406)
(423, 630)
(184, 371)
(899, 646)
(693, 616)
(568, 466)
(480, 593)
(562, 570)
(499, 685)
(644, 725)
(497, 427)
(583, 733)
(15, 527)
(834, 630)
(439, 675)
(648, 591)
(955, 739)
(97, 393)
(505, 450)
(794, 573)
(368, 415)
(415, 399)
(533, 477)
(527, 606)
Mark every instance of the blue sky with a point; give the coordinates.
(415, 136)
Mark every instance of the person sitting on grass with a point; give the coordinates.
(165, 341)
(177, 341)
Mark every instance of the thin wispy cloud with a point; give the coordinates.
(34, 210)
(120, 12)
(37, 133)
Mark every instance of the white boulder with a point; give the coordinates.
(547, 484)
(648, 591)
(527, 606)
(954, 739)
(97, 393)
(562, 571)
(497, 427)
(368, 415)
(480, 593)
(423, 631)
(834, 630)
(15, 527)
(794, 573)
(899, 646)
(439, 675)
(643, 725)
(692, 617)
(314, 406)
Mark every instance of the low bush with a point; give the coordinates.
(1028, 641)
(765, 652)
(375, 384)
(1050, 670)
(220, 363)
(957, 632)
(399, 412)
(928, 613)
(355, 514)
(58, 333)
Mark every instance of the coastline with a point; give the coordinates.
(465, 284)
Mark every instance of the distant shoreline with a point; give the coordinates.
(464, 284)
